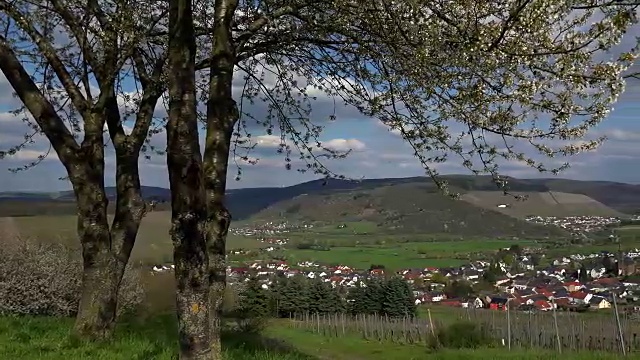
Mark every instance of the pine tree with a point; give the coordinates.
(355, 300)
(398, 299)
(254, 300)
(373, 295)
(290, 296)
(320, 297)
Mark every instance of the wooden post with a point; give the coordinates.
(620, 335)
(555, 322)
(433, 332)
(508, 326)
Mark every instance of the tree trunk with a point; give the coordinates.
(105, 250)
(100, 278)
(222, 115)
(188, 204)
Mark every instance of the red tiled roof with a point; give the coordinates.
(544, 292)
(581, 295)
(606, 281)
(542, 304)
(562, 301)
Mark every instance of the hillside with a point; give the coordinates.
(244, 203)
(405, 208)
(549, 203)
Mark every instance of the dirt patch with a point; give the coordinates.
(8, 228)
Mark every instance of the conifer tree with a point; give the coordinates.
(398, 299)
(373, 295)
(254, 300)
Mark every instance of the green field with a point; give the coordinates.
(401, 256)
(156, 339)
(363, 257)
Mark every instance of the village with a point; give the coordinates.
(576, 282)
(528, 281)
(576, 224)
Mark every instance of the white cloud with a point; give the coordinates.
(344, 145)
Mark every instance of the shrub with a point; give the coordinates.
(45, 279)
(461, 335)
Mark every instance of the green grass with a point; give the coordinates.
(392, 257)
(42, 338)
(50, 339)
(401, 256)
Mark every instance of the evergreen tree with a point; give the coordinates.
(336, 300)
(291, 296)
(323, 298)
(356, 300)
(373, 295)
(254, 300)
(398, 299)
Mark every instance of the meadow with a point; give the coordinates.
(155, 338)
(404, 255)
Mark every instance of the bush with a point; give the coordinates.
(461, 335)
(46, 279)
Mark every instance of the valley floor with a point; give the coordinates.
(48, 339)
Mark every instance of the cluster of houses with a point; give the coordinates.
(542, 289)
(528, 288)
(576, 223)
(268, 229)
(543, 293)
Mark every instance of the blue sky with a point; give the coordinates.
(377, 152)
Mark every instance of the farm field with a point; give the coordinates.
(357, 348)
(153, 244)
(400, 256)
(362, 257)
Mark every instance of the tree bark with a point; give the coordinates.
(222, 115)
(97, 308)
(188, 204)
(105, 250)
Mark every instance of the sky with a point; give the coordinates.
(376, 151)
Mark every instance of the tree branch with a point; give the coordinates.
(40, 108)
(79, 101)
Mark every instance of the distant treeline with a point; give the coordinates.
(17, 208)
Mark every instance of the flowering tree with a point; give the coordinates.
(479, 81)
(498, 73)
(69, 63)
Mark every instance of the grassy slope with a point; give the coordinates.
(407, 208)
(540, 203)
(48, 339)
